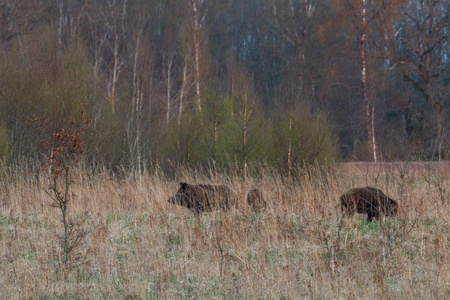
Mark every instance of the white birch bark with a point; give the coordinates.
(117, 31)
(182, 91)
(289, 158)
(137, 105)
(370, 113)
(197, 20)
(169, 86)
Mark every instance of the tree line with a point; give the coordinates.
(198, 82)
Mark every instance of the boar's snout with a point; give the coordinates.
(178, 198)
(393, 208)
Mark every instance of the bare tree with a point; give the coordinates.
(369, 22)
(136, 102)
(370, 107)
(197, 13)
(421, 51)
(292, 21)
(109, 24)
(17, 17)
(186, 86)
(71, 14)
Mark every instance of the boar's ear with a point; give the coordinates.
(183, 185)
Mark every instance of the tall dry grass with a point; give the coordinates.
(141, 247)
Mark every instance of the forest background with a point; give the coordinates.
(230, 82)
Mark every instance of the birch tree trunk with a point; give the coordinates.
(289, 158)
(115, 75)
(197, 54)
(60, 21)
(370, 113)
(182, 91)
(197, 27)
(244, 133)
(117, 30)
(139, 129)
(137, 104)
(169, 86)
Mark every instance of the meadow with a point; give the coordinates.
(138, 246)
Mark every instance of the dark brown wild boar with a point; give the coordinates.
(203, 197)
(255, 200)
(367, 200)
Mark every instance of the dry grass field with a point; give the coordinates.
(141, 247)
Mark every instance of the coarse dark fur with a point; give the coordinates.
(367, 200)
(203, 197)
(255, 200)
